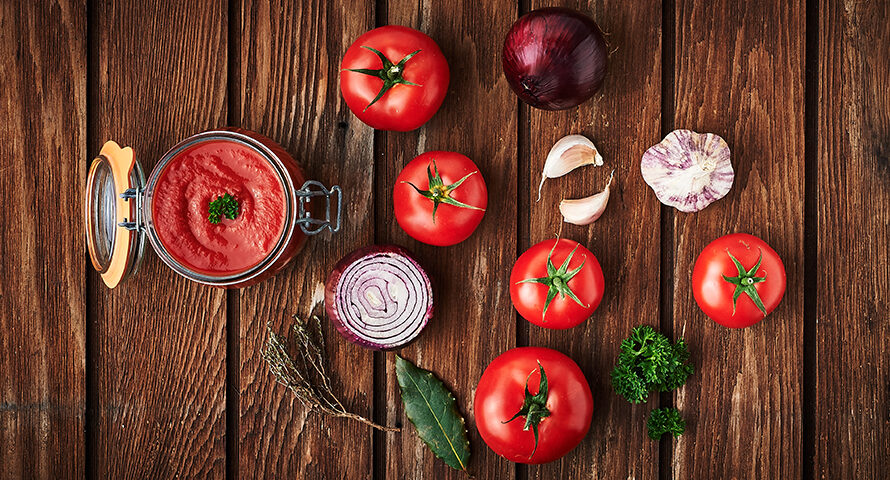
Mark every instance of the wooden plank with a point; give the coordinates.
(852, 323)
(474, 321)
(160, 340)
(42, 296)
(739, 73)
(288, 83)
(625, 239)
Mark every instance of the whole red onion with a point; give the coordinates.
(555, 58)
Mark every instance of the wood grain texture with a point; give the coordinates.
(288, 78)
(739, 74)
(474, 321)
(852, 409)
(622, 120)
(160, 340)
(42, 295)
(161, 71)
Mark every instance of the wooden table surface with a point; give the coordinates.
(163, 378)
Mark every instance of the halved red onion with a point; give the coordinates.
(379, 297)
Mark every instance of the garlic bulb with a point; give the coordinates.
(567, 154)
(688, 170)
(585, 211)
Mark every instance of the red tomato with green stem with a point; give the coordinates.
(556, 284)
(533, 405)
(738, 280)
(394, 78)
(439, 198)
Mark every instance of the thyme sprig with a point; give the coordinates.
(306, 375)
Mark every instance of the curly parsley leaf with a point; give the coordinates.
(224, 206)
(648, 361)
(678, 370)
(665, 420)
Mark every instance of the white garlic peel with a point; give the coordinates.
(567, 154)
(688, 170)
(584, 211)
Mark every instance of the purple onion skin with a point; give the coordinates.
(555, 58)
(330, 293)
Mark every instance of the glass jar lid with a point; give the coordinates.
(115, 238)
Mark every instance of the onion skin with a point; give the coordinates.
(342, 320)
(555, 58)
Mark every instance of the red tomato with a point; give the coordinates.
(531, 284)
(716, 279)
(398, 87)
(563, 412)
(439, 198)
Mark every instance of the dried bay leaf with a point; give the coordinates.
(433, 410)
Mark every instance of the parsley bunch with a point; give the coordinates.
(224, 206)
(648, 361)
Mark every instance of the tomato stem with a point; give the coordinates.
(390, 73)
(557, 279)
(534, 407)
(744, 283)
(438, 192)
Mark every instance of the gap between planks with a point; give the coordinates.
(666, 221)
(92, 392)
(233, 297)
(523, 220)
(378, 403)
(810, 235)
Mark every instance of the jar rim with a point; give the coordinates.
(281, 173)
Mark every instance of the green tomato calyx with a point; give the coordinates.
(440, 193)
(744, 283)
(557, 279)
(390, 73)
(534, 407)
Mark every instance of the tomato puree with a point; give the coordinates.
(198, 175)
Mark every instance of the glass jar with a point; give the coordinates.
(122, 209)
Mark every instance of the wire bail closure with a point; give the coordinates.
(313, 226)
(308, 224)
(133, 194)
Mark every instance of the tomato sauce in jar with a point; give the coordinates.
(196, 177)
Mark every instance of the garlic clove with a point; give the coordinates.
(584, 211)
(688, 170)
(567, 154)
